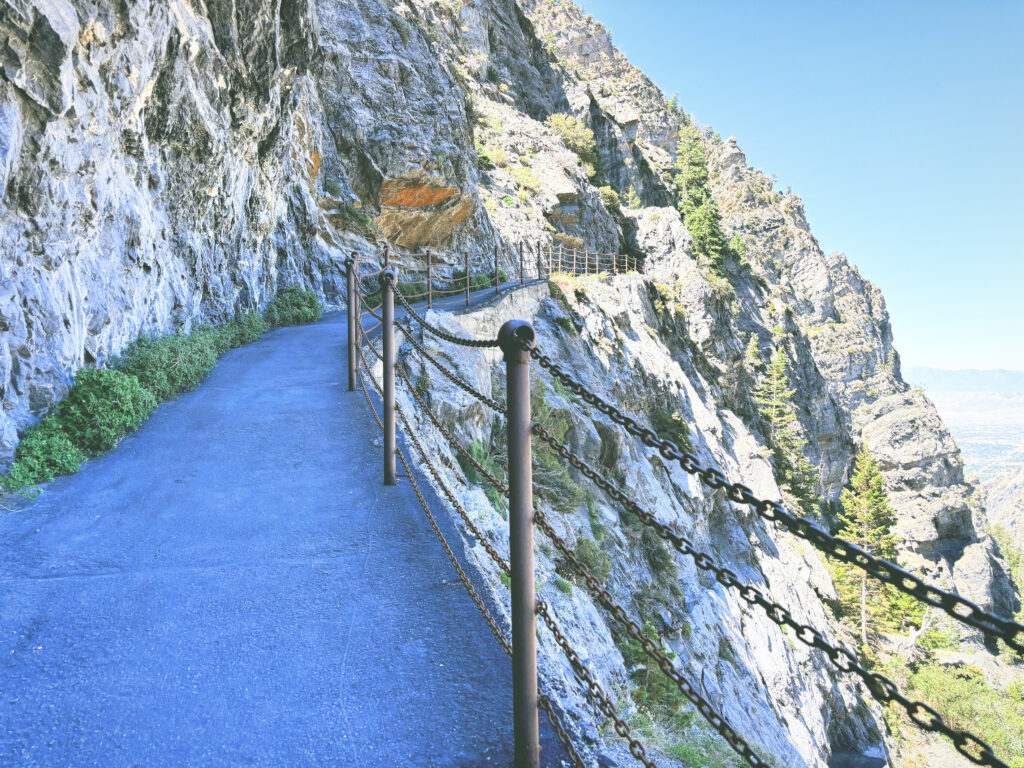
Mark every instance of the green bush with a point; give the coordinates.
(333, 188)
(294, 306)
(563, 585)
(610, 198)
(551, 480)
(480, 453)
(170, 365)
(246, 328)
(44, 453)
(102, 407)
(577, 137)
(966, 702)
(598, 562)
(670, 426)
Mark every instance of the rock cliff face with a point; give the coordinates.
(1005, 504)
(169, 163)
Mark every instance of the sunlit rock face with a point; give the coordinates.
(165, 163)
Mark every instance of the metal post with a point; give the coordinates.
(430, 280)
(495, 270)
(387, 294)
(574, 261)
(467, 278)
(353, 318)
(525, 726)
(522, 278)
(387, 255)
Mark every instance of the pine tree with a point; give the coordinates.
(867, 520)
(774, 397)
(695, 203)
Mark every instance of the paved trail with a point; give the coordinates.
(232, 585)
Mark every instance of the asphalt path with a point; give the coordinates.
(233, 585)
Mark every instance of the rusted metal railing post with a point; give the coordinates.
(353, 318)
(387, 295)
(430, 279)
(496, 281)
(522, 278)
(525, 726)
(467, 278)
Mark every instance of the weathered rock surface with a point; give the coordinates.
(169, 163)
(1005, 504)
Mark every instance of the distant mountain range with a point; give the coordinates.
(997, 382)
(985, 412)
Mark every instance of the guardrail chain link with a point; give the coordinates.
(451, 375)
(594, 689)
(882, 688)
(441, 334)
(687, 688)
(952, 604)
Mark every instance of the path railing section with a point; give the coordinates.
(528, 263)
(517, 343)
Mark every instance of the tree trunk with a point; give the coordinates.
(864, 610)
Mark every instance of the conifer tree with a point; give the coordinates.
(774, 397)
(695, 203)
(867, 520)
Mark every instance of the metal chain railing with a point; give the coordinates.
(520, 350)
(441, 334)
(594, 690)
(952, 604)
(451, 375)
(544, 702)
(881, 688)
(688, 689)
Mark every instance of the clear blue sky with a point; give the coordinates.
(899, 123)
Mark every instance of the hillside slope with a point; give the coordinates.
(174, 163)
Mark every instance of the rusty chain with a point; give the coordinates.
(479, 343)
(685, 686)
(544, 702)
(594, 689)
(954, 605)
(501, 487)
(451, 375)
(881, 688)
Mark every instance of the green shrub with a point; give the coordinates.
(246, 328)
(294, 306)
(170, 365)
(332, 188)
(610, 198)
(598, 562)
(480, 453)
(965, 701)
(44, 453)
(577, 137)
(551, 480)
(670, 426)
(562, 584)
(102, 407)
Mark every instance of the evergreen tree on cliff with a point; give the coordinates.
(867, 520)
(695, 203)
(774, 398)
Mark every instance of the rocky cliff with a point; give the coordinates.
(169, 163)
(1005, 504)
